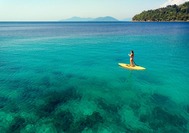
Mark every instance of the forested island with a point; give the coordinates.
(169, 13)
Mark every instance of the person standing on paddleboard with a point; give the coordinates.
(132, 58)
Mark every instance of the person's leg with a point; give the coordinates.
(132, 63)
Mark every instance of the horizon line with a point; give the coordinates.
(51, 21)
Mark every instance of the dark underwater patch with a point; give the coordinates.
(3, 102)
(187, 108)
(70, 75)
(90, 121)
(134, 105)
(110, 108)
(55, 98)
(11, 106)
(159, 99)
(16, 125)
(14, 83)
(63, 121)
(30, 93)
(144, 118)
(160, 119)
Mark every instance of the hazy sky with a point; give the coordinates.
(42, 10)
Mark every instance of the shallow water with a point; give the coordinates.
(64, 77)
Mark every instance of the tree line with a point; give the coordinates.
(169, 13)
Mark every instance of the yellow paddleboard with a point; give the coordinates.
(127, 66)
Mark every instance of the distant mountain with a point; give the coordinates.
(78, 19)
(107, 18)
(169, 13)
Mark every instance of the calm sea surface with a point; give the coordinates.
(64, 77)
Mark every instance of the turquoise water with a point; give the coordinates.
(64, 77)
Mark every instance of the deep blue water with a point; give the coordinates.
(64, 77)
